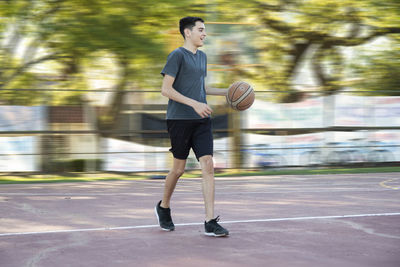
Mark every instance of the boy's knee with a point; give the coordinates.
(177, 172)
(207, 164)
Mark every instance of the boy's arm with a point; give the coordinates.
(216, 91)
(168, 91)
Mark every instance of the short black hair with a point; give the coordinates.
(188, 23)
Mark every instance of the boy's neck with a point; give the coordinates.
(189, 46)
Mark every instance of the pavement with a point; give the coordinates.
(302, 220)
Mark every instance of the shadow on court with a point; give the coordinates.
(313, 220)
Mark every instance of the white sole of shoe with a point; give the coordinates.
(158, 219)
(215, 235)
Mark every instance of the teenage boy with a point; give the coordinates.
(188, 121)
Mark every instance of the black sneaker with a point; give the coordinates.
(164, 217)
(212, 228)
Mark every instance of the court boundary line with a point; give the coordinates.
(383, 184)
(193, 224)
(198, 191)
(382, 188)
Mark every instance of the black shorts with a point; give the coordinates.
(186, 134)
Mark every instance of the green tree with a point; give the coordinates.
(70, 35)
(291, 31)
(73, 34)
(377, 73)
(14, 65)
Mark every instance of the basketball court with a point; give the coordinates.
(306, 220)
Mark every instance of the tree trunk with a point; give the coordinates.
(109, 121)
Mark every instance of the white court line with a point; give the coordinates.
(190, 224)
(289, 191)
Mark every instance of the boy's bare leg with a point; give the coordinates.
(207, 169)
(172, 178)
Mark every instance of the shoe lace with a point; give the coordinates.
(215, 220)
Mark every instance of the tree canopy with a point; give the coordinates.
(291, 32)
(66, 37)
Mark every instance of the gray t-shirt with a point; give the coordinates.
(189, 71)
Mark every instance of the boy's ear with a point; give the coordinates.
(187, 32)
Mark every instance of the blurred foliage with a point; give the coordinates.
(378, 73)
(292, 32)
(71, 33)
(66, 38)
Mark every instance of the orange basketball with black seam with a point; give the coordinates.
(240, 96)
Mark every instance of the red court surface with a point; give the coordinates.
(309, 220)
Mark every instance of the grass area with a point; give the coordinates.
(87, 177)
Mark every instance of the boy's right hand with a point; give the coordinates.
(202, 109)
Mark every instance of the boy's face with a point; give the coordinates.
(198, 34)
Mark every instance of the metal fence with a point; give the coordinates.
(336, 130)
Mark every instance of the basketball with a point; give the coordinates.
(240, 96)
